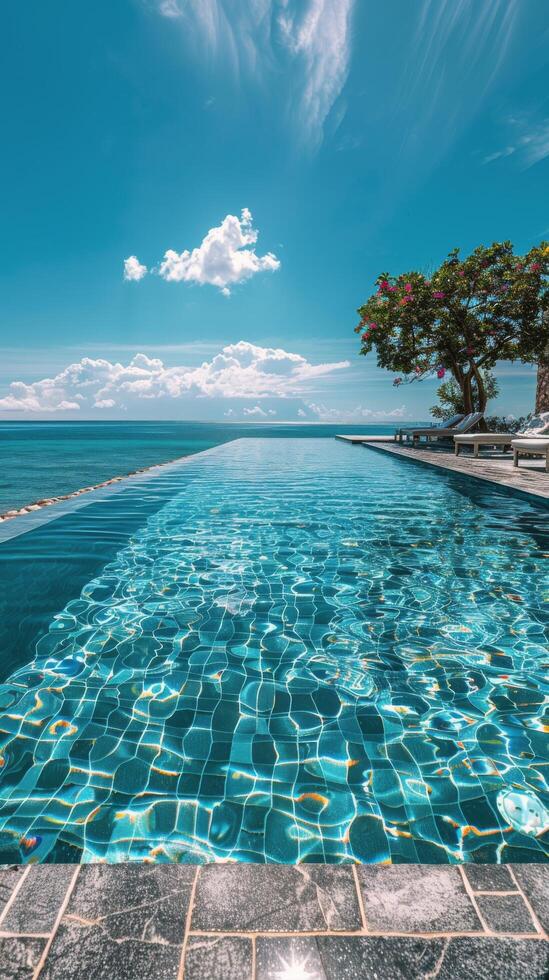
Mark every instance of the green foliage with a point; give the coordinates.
(470, 314)
(498, 423)
(450, 396)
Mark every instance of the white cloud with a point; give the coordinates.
(257, 410)
(169, 8)
(529, 141)
(318, 35)
(242, 370)
(133, 270)
(357, 414)
(226, 256)
(303, 45)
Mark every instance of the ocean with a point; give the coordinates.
(49, 459)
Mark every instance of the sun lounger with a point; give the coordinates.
(537, 425)
(536, 446)
(447, 424)
(436, 432)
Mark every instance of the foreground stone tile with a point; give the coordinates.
(19, 957)
(534, 881)
(124, 921)
(347, 958)
(270, 898)
(505, 913)
(9, 877)
(402, 958)
(218, 958)
(133, 901)
(484, 958)
(416, 898)
(80, 951)
(489, 878)
(39, 899)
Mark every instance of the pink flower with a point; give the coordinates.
(384, 284)
(408, 287)
(439, 295)
(461, 272)
(535, 267)
(427, 282)
(392, 289)
(441, 372)
(365, 337)
(373, 326)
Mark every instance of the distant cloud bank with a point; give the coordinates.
(225, 257)
(238, 371)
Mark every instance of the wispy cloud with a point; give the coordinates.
(225, 257)
(238, 371)
(304, 44)
(529, 142)
(479, 32)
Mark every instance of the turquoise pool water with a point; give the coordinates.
(52, 458)
(280, 650)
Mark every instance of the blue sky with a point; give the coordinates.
(283, 153)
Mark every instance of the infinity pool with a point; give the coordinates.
(279, 650)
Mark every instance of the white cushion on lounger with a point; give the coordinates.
(485, 438)
(540, 443)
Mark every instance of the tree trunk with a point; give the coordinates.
(482, 398)
(467, 390)
(542, 387)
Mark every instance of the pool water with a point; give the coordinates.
(301, 651)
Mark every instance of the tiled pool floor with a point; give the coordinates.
(303, 653)
(257, 922)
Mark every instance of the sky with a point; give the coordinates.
(196, 195)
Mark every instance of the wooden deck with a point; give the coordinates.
(529, 479)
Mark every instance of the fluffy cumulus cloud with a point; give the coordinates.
(226, 256)
(259, 412)
(133, 269)
(238, 371)
(301, 45)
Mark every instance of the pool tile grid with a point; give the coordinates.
(258, 922)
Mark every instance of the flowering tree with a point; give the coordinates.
(468, 315)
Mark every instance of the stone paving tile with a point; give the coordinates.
(218, 958)
(39, 899)
(133, 901)
(19, 957)
(534, 881)
(347, 958)
(505, 913)
(491, 958)
(271, 898)
(122, 921)
(416, 898)
(402, 958)
(489, 878)
(80, 951)
(9, 876)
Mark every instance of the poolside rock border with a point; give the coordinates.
(254, 922)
